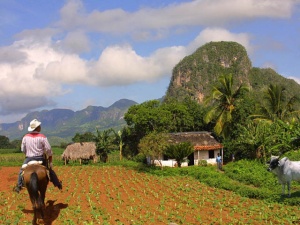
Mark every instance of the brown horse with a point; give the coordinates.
(36, 181)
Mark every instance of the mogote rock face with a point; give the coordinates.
(197, 73)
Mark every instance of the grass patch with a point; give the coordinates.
(11, 157)
(9, 151)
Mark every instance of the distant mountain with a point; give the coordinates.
(60, 125)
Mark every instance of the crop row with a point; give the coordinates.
(117, 195)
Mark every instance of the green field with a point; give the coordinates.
(13, 157)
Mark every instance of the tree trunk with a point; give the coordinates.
(179, 164)
(104, 157)
(120, 153)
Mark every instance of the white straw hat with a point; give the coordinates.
(34, 124)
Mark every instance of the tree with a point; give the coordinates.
(16, 144)
(223, 100)
(282, 137)
(261, 139)
(253, 140)
(186, 115)
(277, 105)
(180, 118)
(179, 151)
(103, 144)
(4, 142)
(196, 111)
(147, 117)
(119, 140)
(154, 145)
(143, 119)
(86, 137)
(241, 123)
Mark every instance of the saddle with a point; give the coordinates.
(35, 162)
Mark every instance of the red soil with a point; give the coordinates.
(116, 195)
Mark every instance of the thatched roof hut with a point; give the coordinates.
(200, 140)
(79, 151)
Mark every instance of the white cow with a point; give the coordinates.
(285, 170)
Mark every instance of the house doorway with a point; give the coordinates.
(191, 159)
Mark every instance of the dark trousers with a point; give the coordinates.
(53, 177)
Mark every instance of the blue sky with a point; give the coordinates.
(72, 54)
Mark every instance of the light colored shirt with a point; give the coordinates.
(35, 144)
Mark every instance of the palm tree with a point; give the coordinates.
(179, 151)
(103, 144)
(277, 106)
(119, 139)
(223, 98)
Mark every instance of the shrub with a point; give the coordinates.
(202, 163)
(140, 158)
(250, 172)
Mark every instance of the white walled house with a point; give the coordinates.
(206, 147)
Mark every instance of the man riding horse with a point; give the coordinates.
(35, 145)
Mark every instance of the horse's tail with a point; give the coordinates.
(34, 191)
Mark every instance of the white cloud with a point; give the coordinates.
(193, 13)
(11, 55)
(72, 14)
(20, 89)
(75, 42)
(219, 34)
(42, 70)
(37, 35)
(121, 65)
(65, 69)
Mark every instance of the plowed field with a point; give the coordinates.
(117, 195)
